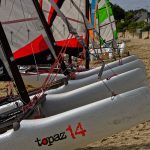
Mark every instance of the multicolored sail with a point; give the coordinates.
(93, 10)
(106, 21)
(60, 29)
(22, 24)
(25, 32)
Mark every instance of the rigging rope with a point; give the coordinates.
(37, 68)
(58, 60)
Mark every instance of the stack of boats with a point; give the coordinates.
(98, 103)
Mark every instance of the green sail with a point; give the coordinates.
(106, 21)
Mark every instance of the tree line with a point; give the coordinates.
(126, 20)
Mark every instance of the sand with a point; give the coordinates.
(138, 137)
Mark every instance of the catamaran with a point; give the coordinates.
(77, 125)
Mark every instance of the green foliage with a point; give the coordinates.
(118, 12)
(129, 22)
(121, 26)
(129, 15)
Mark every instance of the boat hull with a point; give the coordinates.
(88, 94)
(93, 92)
(74, 84)
(90, 123)
(37, 79)
(10, 106)
(96, 70)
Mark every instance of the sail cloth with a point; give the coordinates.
(88, 25)
(93, 10)
(23, 30)
(61, 29)
(22, 26)
(106, 21)
(25, 54)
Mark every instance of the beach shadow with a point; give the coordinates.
(123, 147)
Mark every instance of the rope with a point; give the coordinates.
(37, 68)
(110, 68)
(113, 94)
(58, 60)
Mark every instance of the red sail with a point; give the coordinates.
(39, 46)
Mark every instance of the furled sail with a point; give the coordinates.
(25, 32)
(106, 21)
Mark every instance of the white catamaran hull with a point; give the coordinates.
(79, 127)
(88, 94)
(107, 67)
(74, 84)
(93, 92)
(37, 79)
(10, 106)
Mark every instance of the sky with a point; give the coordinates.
(132, 4)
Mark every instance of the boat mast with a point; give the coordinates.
(87, 64)
(48, 32)
(54, 15)
(13, 67)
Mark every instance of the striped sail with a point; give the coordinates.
(106, 21)
(97, 40)
(24, 30)
(59, 28)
